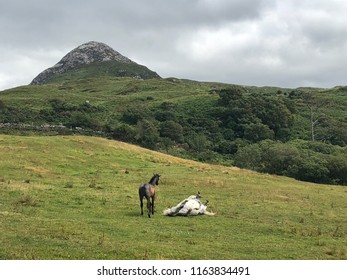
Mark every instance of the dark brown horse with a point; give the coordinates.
(148, 191)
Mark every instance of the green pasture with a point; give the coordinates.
(76, 197)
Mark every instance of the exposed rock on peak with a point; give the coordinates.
(91, 52)
(95, 52)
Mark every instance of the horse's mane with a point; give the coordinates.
(155, 176)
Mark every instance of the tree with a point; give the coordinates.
(312, 167)
(337, 166)
(244, 113)
(256, 132)
(274, 112)
(333, 131)
(316, 115)
(80, 119)
(249, 157)
(198, 142)
(166, 112)
(134, 114)
(279, 158)
(147, 133)
(230, 95)
(172, 130)
(123, 132)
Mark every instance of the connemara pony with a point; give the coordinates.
(148, 191)
(191, 206)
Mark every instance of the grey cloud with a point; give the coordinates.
(269, 42)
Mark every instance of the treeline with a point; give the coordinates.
(304, 160)
(286, 133)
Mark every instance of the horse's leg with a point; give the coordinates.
(149, 206)
(141, 204)
(153, 197)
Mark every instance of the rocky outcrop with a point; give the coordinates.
(86, 54)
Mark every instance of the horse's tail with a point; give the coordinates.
(142, 190)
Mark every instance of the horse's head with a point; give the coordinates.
(155, 179)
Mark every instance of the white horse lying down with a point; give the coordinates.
(191, 206)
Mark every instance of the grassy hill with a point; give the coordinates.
(75, 197)
(106, 69)
(209, 122)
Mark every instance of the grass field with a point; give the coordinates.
(76, 197)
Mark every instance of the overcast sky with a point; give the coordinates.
(286, 43)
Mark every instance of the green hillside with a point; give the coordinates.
(300, 133)
(106, 69)
(75, 197)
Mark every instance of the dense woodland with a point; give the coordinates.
(299, 133)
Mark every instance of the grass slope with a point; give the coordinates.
(70, 198)
(111, 95)
(105, 69)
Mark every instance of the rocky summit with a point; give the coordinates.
(108, 62)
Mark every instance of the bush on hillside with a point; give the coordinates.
(302, 160)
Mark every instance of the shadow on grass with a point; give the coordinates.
(138, 214)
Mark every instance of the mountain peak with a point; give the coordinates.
(89, 53)
(94, 52)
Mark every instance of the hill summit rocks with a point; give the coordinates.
(92, 53)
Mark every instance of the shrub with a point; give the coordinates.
(296, 160)
(279, 158)
(198, 142)
(256, 132)
(310, 167)
(147, 133)
(249, 157)
(172, 130)
(337, 166)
